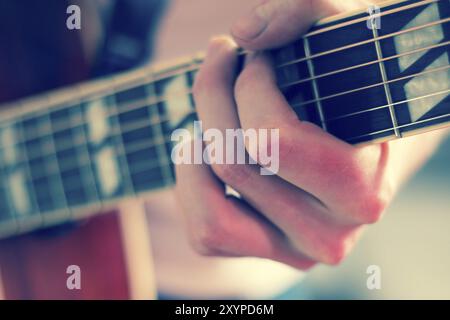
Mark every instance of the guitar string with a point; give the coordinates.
(343, 70)
(366, 18)
(361, 43)
(157, 141)
(154, 101)
(339, 94)
(194, 66)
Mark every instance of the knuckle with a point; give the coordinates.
(234, 175)
(209, 239)
(287, 148)
(373, 206)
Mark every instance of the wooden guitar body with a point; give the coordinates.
(33, 266)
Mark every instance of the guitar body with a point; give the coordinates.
(33, 266)
(112, 251)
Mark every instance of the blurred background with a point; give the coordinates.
(411, 244)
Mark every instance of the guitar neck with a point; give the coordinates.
(74, 151)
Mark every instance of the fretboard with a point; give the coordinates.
(73, 152)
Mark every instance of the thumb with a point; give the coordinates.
(273, 23)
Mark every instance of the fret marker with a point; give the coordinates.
(420, 38)
(8, 140)
(98, 121)
(178, 102)
(106, 162)
(425, 84)
(107, 171)
(429, 83)
(19, 193)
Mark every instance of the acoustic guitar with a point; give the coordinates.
(69, 157)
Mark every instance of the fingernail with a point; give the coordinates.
(250, 26)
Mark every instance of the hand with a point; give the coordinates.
(326, 190)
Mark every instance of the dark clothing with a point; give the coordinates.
(39, 53)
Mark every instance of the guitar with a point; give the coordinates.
(68, 157)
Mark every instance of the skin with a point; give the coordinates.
(326, 191)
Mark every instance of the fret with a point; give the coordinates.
(23, 190)
(158, 130)
(314, 83)
(15, 188)
(301, 92)
(49, 192)
(148, 176)
(7, 220)
(73, 157)
(177, 107)
(355, 101)
(122, 117)
(385, 79)
(423, 61)
(103, 147)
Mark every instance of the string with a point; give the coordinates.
(336, 72)
(361, 43)
(339, 94)
(363, 19)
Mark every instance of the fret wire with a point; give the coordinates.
(361, 43)
(314, 84)
(92, 184)
(384, 77)
(136, 104)
(121, 149)
(140, 146)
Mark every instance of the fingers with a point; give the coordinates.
(222, 226)
(273, 23)
(298, 215)
(214, 83)
(341, 176)
(301, 217)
